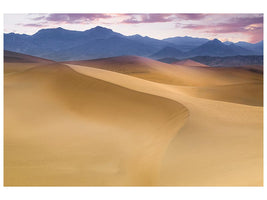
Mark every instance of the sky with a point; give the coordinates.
(225, 27)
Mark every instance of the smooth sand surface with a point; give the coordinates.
(13, 57)
(156, 71)
(80, 125)
(220, 144)
(237, 85)
(189, 62)
(250, 93)
(64, 128)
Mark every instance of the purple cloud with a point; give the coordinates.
(252, 26)
(72, 18)
(147, 18)
(191, 16)
(157, 18)
(31, 25)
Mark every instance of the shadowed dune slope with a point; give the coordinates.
(18, 62)
(238, 85)
(65, 128)
(13, 57)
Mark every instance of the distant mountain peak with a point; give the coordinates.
(50, 30)
(216, 40)
(136, 36)
(59, 28)
(228, 42)
(100, 28)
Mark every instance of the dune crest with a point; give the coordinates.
(189, 62)
(78, 130)
(211, 126)
(131, 121)
(237, 85)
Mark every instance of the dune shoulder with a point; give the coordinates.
(65, 128)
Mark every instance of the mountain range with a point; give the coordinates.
(230, 61)
(63, 45)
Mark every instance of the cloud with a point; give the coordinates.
(73, 18)
(147, 18)
(31, 25)
(248, 25)
(38, 18)
(251, 26)
(158, 18)
(191, 16)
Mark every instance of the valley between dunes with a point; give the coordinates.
(131, 121)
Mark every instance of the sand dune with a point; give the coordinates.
(250, 93)
(190, 63)
(20, 62)
(172, 74)
(13, 57)
(132, 121)
(220, 144)
(236, 85)
(64, 128)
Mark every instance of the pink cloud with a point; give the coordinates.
(73, 18)
(38, 18)
(191, 16)
(33, 25)
(147, 18)
(251, 26)
(157, 18)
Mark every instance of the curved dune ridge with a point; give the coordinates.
(220, 144)
(64, 128)
(156, 71)
(18, 62)
(132, 121)
(13, 57)
(189, 62)
(235, 85)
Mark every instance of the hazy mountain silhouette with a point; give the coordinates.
(60, 44)
(168, 52)
(155, 43)
(257, 47)
(217, 48)
(229, 61)
(186, 43)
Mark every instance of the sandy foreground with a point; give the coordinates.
(74, 125)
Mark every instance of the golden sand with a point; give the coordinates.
(80, 125)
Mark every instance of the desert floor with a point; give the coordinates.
(131, 121)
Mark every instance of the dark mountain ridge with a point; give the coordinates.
(60, 45)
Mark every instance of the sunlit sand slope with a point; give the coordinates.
(171, 74)
(235, 85)
(250, 93)
(190, 63)
(131, 121)
(66, 128)
(220, 144)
